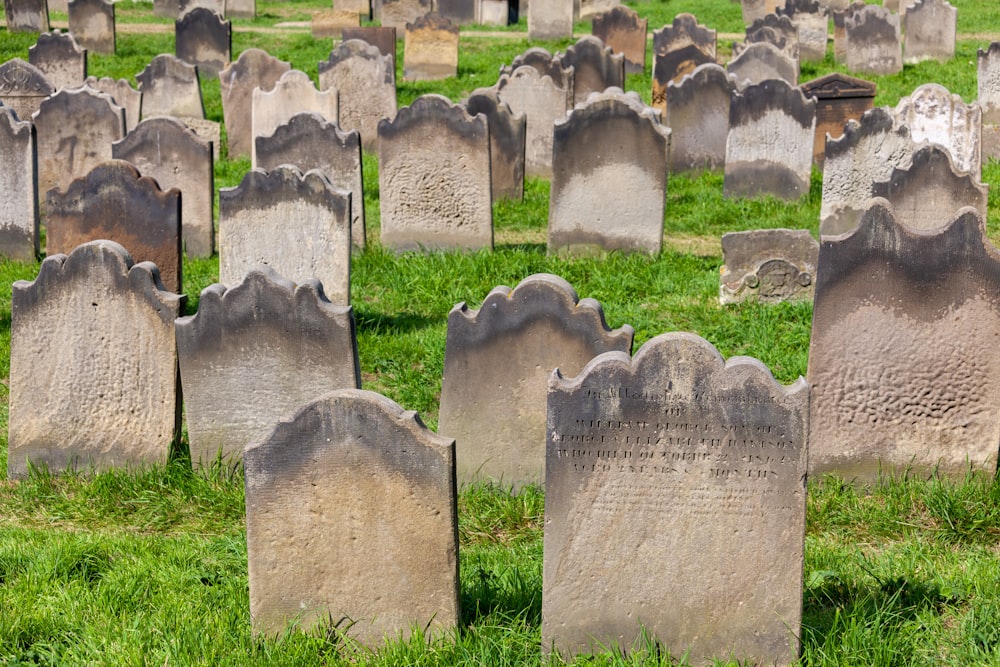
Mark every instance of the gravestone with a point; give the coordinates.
(834, 5)
(772, 29)
(933, 114)
(93, 364)
(255, 353)
(384, 38)
(595, 67)
(240, 9)
(204, 39)
(678, 49)
(124, 95)
(209, 130)
(359, 7)
(58, 56)
(164, 149)
(762, 62)
(459, 12)
(377, 552)
(174, 9)
(812, 22)
(26, 15)
(840, 17)
(839, 98)
(930, 28)
(92, 23)
(507, 137)
(494, 12)
(434, 177)
(542, 103)
(623, 30)
(687, 460)
(758, 9)
(546, 64)
(496, 367)
(988, 87)
(309, 141)
(769, 147)
(430, 49)
(397, 13)
(19, 183)
(293, 93)
(585, 9)
(365, 81)
(23, 87)
(873, 41)
(113, 201)
(902, 357)
(297, 224)
(331, 23)
(255, 68)
(768, 266)
(698, 116)
(551, 19)
(169, 87)
(609, 177)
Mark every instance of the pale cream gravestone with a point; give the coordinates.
(595, 67)
(768, 266)
(19, 185)
(26, 15)
(174, 9)
(434, 177)
(365, 81)
(255, 68)
(758, 9)
(164, 149)
(60, 58)
(543, 103)
(811, 20)
(678, 49)
(550, 19)
(331, 23)
(309, 141)
(293, 93)
(678, 458)
(609, 177)
(352, 522)
(204, 39)
(382, 37)
(772, 29)
(698, 117)
(92, 23)
(933, 114)
(507, 136)
(873, 41)
(988, 86)
(623, 30)
(23, 87)
(497, 361)
(124, 95)
(93, 364)
(760, 62)
(769, 146)
(255, 353)
(840, 17)
(170, 87)
(902, 357)
(397, 13)
(430, 49)
(929, 29)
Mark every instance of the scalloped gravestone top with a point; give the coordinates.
(768, 265)
(430, 49)
(26, 15)
(124, 95)
(92, 23)
(698, 116)
(204, 39)
(595, 67)
(623, 30)
(760, 62)
(18, 182)
(840, 16)
(675, 456)
(507, 137)
(550, 19)
(934, 114)
(678, 49)
(170, 87)
(23, 87)
(255, 68)
(60, 58)
(382, 37)
(543, 103)
(811, 19)
(929, 29)
(293, 93)
(397, 13)
(758, 9)
(365, 81)
(772, 29)
(873, 41)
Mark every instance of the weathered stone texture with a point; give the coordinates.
(23, 87)
(169, 87)
(543, 103)
(839, 98)
(60, 58)
(768, 266)
(26, 15)
(930, 28)
(397, 13)
(255, 68)
(507, 137)
(760, 62)
(772, 29)
(811, 20)
(595, 67)
(698, 117)
(873, 41)
(365, 81)
(933, 114)
(622, 30)
(19, 185)
(293, 93)
(204, 39)
(678, 49)
(92, 23)
(550, 19)
(430, 49)
(124, 95)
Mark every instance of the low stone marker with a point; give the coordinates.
(124, 95)
(873, 41)
(811, 20)
(359, 7)
(768, 266)
(543, 103)
(204, 39)
(988, 87)
(760, 62)
(551, 19)
(839, 98)
(26, 15)
(93, 364)
(376, 555)
(23, 87)
(772, 29)
(365, 81)
(293, 93)
(19, 183)
(255, 68)
(507, 140)
(60, 58)
(397, 13)
(92, 23)
(623, 30)
(678, 49)
(595, 67)
(930, 28)
(698, 117)
(691, 461)
(430, 49)
(933, 114)
(459, 12)
(241, 9)
(170, 87)
(174, 9)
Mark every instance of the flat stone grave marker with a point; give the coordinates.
(933, 114)
(382, 37)
(988, 87)
(760, 62)
(623, 30)
(26, 15)
(551, 19)
(698, 117)
(873, 41)
(169, 87)
(543, 103)
(811, 21)
(507, 137)
(772, 29)
(255, 68)
(678, 49)
(397, 13)
(430, 49)
(768, 266)
(839, 98)
(124, 95)
(365, 81)
(204, 39)
(92, 23)
(23, 87)
(19, 183)
(293, 93)
(58, 56)
(331, 23)
(929, 29)
(459, 12)
(840, 29)
(595, 67)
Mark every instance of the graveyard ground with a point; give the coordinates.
(149, 567)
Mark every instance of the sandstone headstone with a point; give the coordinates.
(19, 185)
(839, 98)
(204, 39)
(550, 19)
(873, 41)
(169, 87)
(124, 95)
(93, 364)
(293, 93)
(623, 30)
(698, 116)
(365, 81)
(430, 49)
(359, 7)
(494, 12)
(762, 62)
(930, 27)
(92, 23)
(988, 86)
(933, 114)
(58, 56)
(678, 49)
(255, 353)
(840, 17)
(507, 137)
(459, 12)
(674, 456)
(382, 37)
(543, 103)
(23, 87)
(834, 5)
(255, 68)
(397, 13)
(772, 29)
(768, 266)
(496, 367)
(331, 23)
(595, 67)
(585, 9)
(26, 15)
(758, 9)
(811, 20)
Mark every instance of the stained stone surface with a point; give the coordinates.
(209, 130)
(543, 103)
(23, 87)
(550, 19)
(241, 9)
(293, 93)
(254, 354)
(623, 30)
(546, 64)
(19, 185)
(397, 13)
(933, 114)
(124, 95)
(494, 12)
(376, 549)
(675, 456)
(58, 56)
(772, 29)
(760, 62)
(595, 67)
(902, 357)
(255, 68)
(988, 86)
(383, 37)
(174, 9)
(331, 23)
(169, 87)
(768, 266)
(365, 81)
(839, 98)
(698, 116)
(26, 15)
(459, 12)
(930, 27)
(165, 150)
(359, 7)
(93, 364)
(92, 23)
(309, 141)
(678, 49)
(840, 16)
(873, 41)
(434, 177)
(811, 20)
(507, 137)
(204, 39)
(496, 367)
(609, 177)
(758, 9)
(297, 224)
(430, 49)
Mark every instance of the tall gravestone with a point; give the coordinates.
(124, 95)
(934, 114)
(757, 9)
(839, 98)
(23, 87)
(811, 20)
(930, 28)
(293, 93)
(595, 67)
(19, 183)
(840, 17)
(768, 266)
(623, 30)
(170, 87)
(988, 87)
(543, 103)
(365, 81)
(873, 41)
(26, 15)
(698, 116)
(60, 58)
(497, 363)
(507, 137)
(552, 19)
(204, 39)
(675, 456)
(93, 364)
(430, 49)
(397, 13)
(92, 23)
(255, 68)
(762, 61)
(678, 49)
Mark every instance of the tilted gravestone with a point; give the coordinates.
(309, 141)
(595, 67)
(124, 95)
(551, 19)
(507, 137)
(255, 68)
(92, 23)
(19, 183)
(840, 17)
(297, 224)
(988, 87)
(434, 177)
(293, 93)
(365, 81)
(933, 114)
(376, 554)
(60, 58)
(678, 49)
(170, 87)
(26, 15)
(623, 30)
(760, 62)
(902, 357)
(839, 98)
(23, 87)
(768, 266)
(397, 13)
(497, 361)
(430, 49)
(811, 20)
(698, 116)
(254, 354)
(543, 103)
(772, 29)
(165, 150)
(675, 456)
(459, 12)
(204, 39)
(382, 37)
(93, 364)
(873, 41)
(929, 29)
(609, 177)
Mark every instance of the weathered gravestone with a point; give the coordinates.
(595, 67)
(758, 9)
(459, 12)
(174, 9)
(497, 361)
(92, 23)
(988, 86)
(365, 81)
(58, 56)
(430, 49)
(902, 357)
(240, 9)
(19, 185)
(359, 7)
(397, 13)
(930, 27)
(23, 87)
(933, 114)
(169, 87)
(209, 130)
(769, 146)
(698, 116)
(760, 62)
(434, 177)
(26, 15)
(678, 49)
(124, 95)
(93, 364)
(768, 266)
(675, 457)
(609, 177)
(331, 23)
(204, 39)
(494, 12)
(376, 554)
(309, 141)
(839, 98)
(165, 150)
(772, 29)
(543, 103)
(297, 224)
(293, 93)
(255, 68)
(507, 137)
(623, 30)
(811, 21)
(873, 41)
(382, 37)
(546, 64)
(840, 17)
(255, 353)
(550, 19)
(584, 9)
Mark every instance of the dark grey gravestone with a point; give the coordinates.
(675, 456)
(23, 87)
(93, 364)
(460, 12)
(760, 62)
(929, 28)
(678, 49)
(873, 41)
(381, 37)
(204, 39)
(768, 266)
(255, 68)
(497, 363)
(595, 67)
(19, 183)
(26, 15)
(60, 58)
(124, 95)
(365, 81)
(840, 17)
(623, 30)
(772, 29)
(811, 20)
(542, 102)
(254, 354)
(170, 87)
(92, 22)
(507, 137)
(698, 116)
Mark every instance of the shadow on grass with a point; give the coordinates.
(369, 321)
